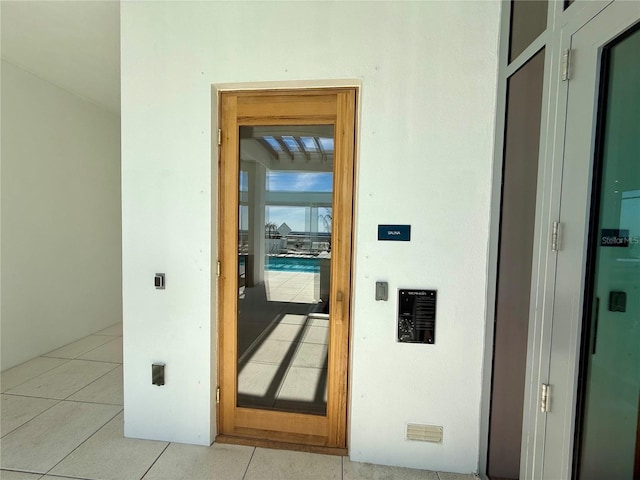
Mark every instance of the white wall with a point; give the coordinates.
(61, 222)
(429, 74)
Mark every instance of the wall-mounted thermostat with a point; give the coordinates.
(417, 316)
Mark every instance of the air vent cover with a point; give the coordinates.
(424, 433)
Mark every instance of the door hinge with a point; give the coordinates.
(545, 398)
(219, 136)
(218, 395)
(218, 269)
(555, 237)
(565, 66)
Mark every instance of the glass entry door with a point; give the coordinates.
(285, 226)
(284, 266)
(609, 424)
(588, 427)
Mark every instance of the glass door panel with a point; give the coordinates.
(528, 21)
(284, 257)
(609, 425)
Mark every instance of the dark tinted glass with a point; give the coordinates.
(522, 139)
(609, 433)
(528, 21)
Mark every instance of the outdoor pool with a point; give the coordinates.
(292, 264)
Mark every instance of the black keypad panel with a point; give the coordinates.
(417, 316)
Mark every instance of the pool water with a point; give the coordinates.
(292, 264)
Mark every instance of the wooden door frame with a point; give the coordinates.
(321, 434)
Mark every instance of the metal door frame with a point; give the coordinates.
(564, 195)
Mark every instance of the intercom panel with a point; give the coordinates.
(417, 316)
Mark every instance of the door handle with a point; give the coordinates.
(596, 317)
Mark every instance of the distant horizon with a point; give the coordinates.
(296, 217)
(292, 181)
(280, 181)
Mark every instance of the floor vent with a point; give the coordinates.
(424, 433)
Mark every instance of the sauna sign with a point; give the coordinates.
(398, 233)
(614, 238)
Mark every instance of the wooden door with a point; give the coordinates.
(285, 246)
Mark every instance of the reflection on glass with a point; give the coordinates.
(284, 256)
(610, 426)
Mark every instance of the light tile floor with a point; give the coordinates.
(284, 364)
(286, 367)
(62, 417)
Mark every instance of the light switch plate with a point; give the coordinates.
(382, 291)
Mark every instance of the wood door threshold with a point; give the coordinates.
(257, 442)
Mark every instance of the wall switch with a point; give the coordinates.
(158, 281)
(382, 291)
(157, 374)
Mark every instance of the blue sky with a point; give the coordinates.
(295, 182)
(299, 181)
(279, 181)
(292, 216)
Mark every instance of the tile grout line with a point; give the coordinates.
(81, 359)
(31, 419)
(93, 403)
(85, 440)
(244, 475)
(59, 400)
(15, 470)
(92, 382)
(293, 366)
(115, 337)
(41, 373)
(66, 476)
(106, 334)
(155, 461)
(79, 340)
(115, 365)
(77, 357)
(67, 360)
(302, 333)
